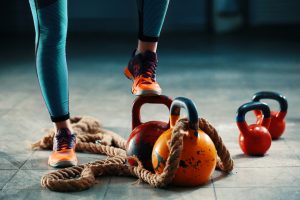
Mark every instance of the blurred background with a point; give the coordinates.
(220, 42)
(194, 16)
(199, 19)
(193, 24)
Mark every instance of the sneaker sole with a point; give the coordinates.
(147, 93)
(63, 164)
(140, 92)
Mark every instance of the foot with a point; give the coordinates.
(141, 70)
(63, 154)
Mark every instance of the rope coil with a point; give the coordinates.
(84, 176)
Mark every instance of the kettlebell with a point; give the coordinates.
(254, 139)
(144, 135)
(198, 157)
(277, 124)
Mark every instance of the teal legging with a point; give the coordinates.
(51, 21)
(151, 18)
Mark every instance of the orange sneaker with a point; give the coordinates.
(63, 154)
(141, 70)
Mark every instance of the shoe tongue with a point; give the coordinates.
(149, 55)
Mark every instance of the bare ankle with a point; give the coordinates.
(146, 46)
(62, 125)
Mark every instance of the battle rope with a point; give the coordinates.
(82, 177)
(89, 135)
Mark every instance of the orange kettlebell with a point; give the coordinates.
(198, 157)
(277, 124)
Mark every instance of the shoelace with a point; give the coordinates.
(148, 68)
(64, 141)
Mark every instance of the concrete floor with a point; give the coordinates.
(219, 74)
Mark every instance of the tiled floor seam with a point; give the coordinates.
(17, 171)
(9, 180)
(214, 189)
(106, 189)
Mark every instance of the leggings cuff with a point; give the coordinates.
(60, 118)
(147, 38)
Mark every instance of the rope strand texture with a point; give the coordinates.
(83, 177)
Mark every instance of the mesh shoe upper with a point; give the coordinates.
(142, 70)
(64, 139)
(144, 65)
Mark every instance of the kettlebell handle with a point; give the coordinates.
(275, 96)
(189, 106)
(141, 100)
(243, 109)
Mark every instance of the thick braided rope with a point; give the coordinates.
(172, 163)
(89, 137)
(83, 176)
(88, 130)
(117, 140)
(100, 149)
(225, 163)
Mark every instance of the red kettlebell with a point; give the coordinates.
(277, 124)
(141, 141)
(254, 139)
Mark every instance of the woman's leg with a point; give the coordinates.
(142, 66)
(51, 22)
(151, 18)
